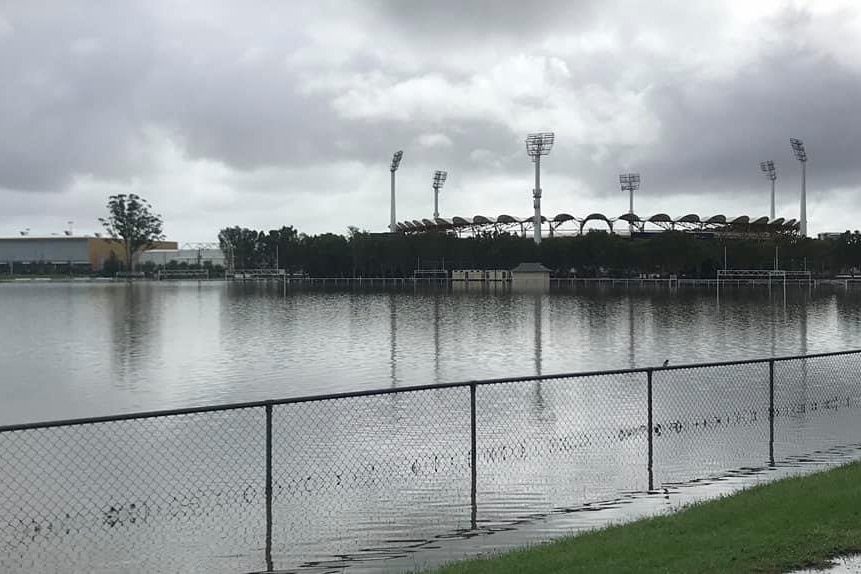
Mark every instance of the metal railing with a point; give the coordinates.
(291, 482)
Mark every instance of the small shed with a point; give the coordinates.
(530, 275)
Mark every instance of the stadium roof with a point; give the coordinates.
(564, 221)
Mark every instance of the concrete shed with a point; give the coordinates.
(532, 276)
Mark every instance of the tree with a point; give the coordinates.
(130, 221)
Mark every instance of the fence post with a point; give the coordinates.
(473, 455)
(269, 488)
(651, 433)
(771, 412)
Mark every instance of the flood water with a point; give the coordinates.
(72, 350)
(385, 482)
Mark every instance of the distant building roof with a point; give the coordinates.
(531, 267)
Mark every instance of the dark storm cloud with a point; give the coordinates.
(69, 87)
(714, 133)
(283, 86)
(481, 19)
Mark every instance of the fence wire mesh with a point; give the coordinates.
(365, 476)
(709, 420)
(817, 403)
(94, 497)
(558, 443)
(352, 476)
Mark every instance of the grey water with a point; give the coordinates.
(73, 350)
(382, 483)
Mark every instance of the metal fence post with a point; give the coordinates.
(473, 456)
(269, 488)
(651, 433)
(771, 412)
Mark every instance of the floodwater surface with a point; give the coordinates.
(72, 350)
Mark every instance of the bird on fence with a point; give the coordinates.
(666, 362)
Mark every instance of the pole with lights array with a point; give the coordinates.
(767, 167)
(439, 178)
(801, 155)
(538, 144)
(630, 182)
(396, 162)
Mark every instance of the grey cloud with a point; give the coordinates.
(481, 19)
(82, 86)
(715, 133)
(69, 93)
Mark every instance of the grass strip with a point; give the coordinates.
(794, 523)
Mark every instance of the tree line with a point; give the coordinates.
(597, 253)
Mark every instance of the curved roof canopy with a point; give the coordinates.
(660, 218)
(689, 218)
(595, 216)
(483, 219)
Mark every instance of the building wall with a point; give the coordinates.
(530, 281)
(100, 249)
(162, 257)
(44, 249)
(90, 251)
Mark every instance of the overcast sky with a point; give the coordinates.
(270, 113)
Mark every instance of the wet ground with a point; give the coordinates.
(496, 538)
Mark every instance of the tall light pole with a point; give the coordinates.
(801, 155)
(396, 162)
(439, 178)
(538, 144)
(630, 182)
(767, 167)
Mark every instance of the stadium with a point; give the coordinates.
(626, 224)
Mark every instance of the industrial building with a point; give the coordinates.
(62, 254)
(191, 257)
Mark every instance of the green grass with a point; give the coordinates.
(794, 523)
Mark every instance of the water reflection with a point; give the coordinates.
(200, 343)
(393, 339)
(538, 298)
(436, 342)
(133, 333)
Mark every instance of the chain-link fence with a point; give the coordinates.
(324, 481)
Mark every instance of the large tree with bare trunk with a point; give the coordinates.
(131, 221)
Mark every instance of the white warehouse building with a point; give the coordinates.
(200, 257)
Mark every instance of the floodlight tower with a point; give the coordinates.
(801, 155)
(630, 182)
(439, 178)
(767, 167)
(538, 144)
(396, 162)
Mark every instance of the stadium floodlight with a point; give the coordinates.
(801, 155)
(538, 144)
(396, 163)
(630, 182)
(767, 167)
(439, 178)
